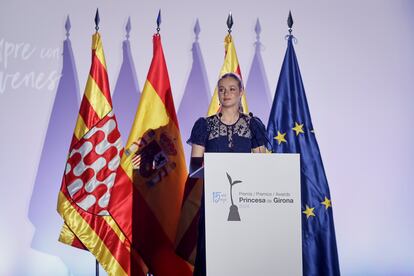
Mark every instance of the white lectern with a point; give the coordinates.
(253, 214)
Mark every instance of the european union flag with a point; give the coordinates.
(290, 130)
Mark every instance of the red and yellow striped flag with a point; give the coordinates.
(89, 176)
(230, 65)
(186, 240)
(150, 185)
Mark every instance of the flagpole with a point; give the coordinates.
(290, 22)
(97, 19)
(158, 21)
(229, 23)
(158, 29)
(96, 267)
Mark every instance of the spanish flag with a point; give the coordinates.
(87, 185)
(150, 184)
(230, 65)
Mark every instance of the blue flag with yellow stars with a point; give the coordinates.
(290, 130)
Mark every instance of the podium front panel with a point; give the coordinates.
(253, 214)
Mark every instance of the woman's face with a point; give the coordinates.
(229, 92)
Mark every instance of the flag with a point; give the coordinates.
(186, 242)
(92, 163)
(230, 65)
(150, 182)
(187, 234)
(291, 131)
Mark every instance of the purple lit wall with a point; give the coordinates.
(356, 60)
(196, 97)
(126, 94)
(257, 86)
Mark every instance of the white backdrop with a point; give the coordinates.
(357, 62)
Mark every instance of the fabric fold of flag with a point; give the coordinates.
(230, 65)
(291, 130)
(92, 163)
(187, 233)
(150, 182)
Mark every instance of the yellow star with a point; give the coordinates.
(280, 137)
(309, 212)
(327, 203)
(298, 128)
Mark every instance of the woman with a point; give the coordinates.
(227, 131)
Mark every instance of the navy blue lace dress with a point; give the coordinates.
(244, 135)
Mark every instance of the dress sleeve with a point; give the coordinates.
(199, 133)
(258, 132)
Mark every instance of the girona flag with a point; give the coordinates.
(230, 65)
(89, 177)
(150, 183)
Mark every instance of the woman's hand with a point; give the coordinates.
(260, 149)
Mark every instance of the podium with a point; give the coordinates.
(252, 214)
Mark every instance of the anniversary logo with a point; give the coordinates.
(248, 199)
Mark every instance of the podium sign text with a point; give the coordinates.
(253, 214)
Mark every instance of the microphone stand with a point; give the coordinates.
(257, 120)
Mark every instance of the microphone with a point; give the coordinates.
(257, 120)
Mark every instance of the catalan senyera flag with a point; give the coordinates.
(230, 65)
(93, 159)
(151, 180)
(186, 240)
